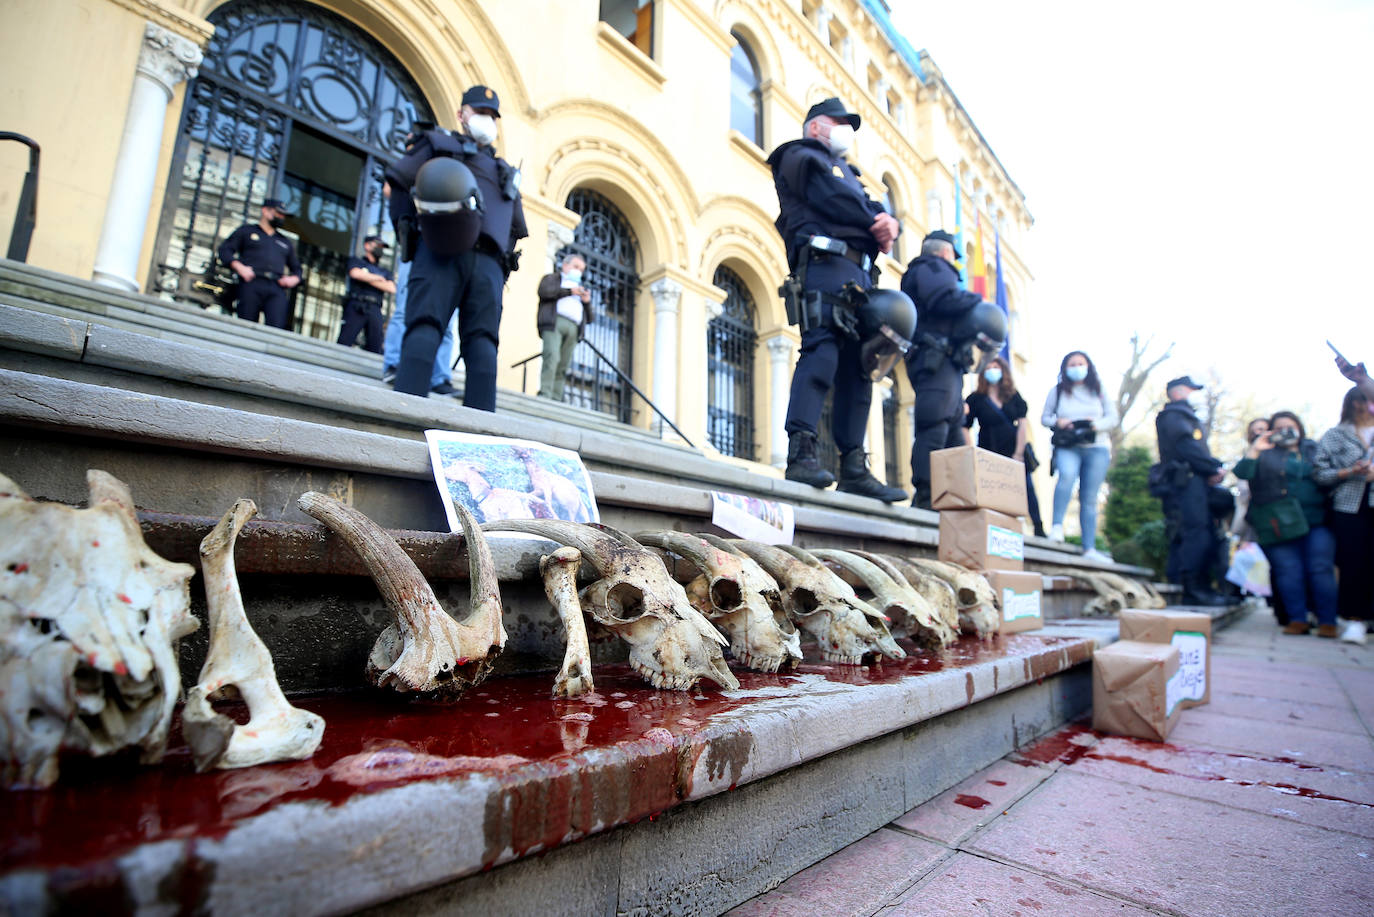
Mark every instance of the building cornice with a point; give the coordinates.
(708, 27)
(174, 20)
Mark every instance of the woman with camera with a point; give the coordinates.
(1287, 514)
(1000, 413)
(1077, 410)
(1343, 461)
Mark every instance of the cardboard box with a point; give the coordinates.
(967, 477)
(981, 539)
(1018, 596)
(1191, 633)
(1135, 691)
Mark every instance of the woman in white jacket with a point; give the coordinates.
(1077, 410)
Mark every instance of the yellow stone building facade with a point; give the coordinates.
(641, 127)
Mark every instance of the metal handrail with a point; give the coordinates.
(26, 214)
(623, 378)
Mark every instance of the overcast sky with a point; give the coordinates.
(1201, 170)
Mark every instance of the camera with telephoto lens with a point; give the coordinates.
(1285, 437)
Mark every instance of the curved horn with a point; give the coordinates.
(801, 554)
(397, 577)
(689, 546)
(872, 575)
(885, 565)
(627, 540)
(596, 546)
(483, 589)
(723, 544)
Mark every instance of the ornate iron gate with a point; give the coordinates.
(730, 344)
(604, 239)
(295, 102)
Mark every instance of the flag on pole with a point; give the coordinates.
(1002, 293)
(978, 271)
(959, 229)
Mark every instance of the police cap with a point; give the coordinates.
(1183, 380)
(833, 108)
(483, 97)
(376, 239)
(276, 204)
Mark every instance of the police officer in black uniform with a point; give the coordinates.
(1189, 470)
(470, 281)
(937, 365)
(266, 264)
(833, 232)
(368, 284)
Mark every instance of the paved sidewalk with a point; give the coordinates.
(1261, 803)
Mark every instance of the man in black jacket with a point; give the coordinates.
(937, 365)
(1184, 455)
(266, 264)
(833, 232)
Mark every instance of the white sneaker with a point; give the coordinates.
(1094, 554)
(1057, 533)
(1354, 632)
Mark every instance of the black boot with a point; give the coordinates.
(1197, 591)
(855, 478)
(802, 464)
(921, 499)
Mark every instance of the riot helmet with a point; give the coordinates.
(886, 323)
(985, 326)
(448, 204)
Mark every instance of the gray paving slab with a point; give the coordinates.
(973, 803)
(1201, 726)
(1336, 716)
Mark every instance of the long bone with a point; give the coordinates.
(1137, 596)
(739, 598)
(559, 572)
(979, 608)
(1108, 601)
(933, 589)
(845, 628)
(893, 596)
(275, 731)
(671, 644)
(424, 650)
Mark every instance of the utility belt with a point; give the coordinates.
(933, 350)
(265, 275)
(806, 308)
(365, 299)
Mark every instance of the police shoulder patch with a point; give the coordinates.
(253, 237)
(838, 172)
(1197, 434)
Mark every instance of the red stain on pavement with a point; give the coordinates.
(972, 802)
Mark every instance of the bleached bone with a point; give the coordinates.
(739, 598)
(911, 615)
(90, 618)
(238, 660)
(845, 628)
(980, 609)
(671, 644)
(425, 650)
(938, 593)
(559, 571)
(1156, 599)
(1137, 595)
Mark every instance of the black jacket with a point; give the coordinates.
(933, 285)
(1180, 439)
(820, 195)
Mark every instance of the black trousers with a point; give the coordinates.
(472, 284)
(261, 296)
(829, 358)
(1188, 522)
(1355, 559)
(939, 414)
(365, 318)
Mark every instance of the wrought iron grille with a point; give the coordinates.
(277, 74)
(604, 239)
(730, 344)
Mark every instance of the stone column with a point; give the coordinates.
(164, 61)
(667, 296)
(559, 238)
(780, 350)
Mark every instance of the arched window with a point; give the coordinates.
(730, 344)
(291, 102)
(891, 204)
(746, 101)
(604, 239)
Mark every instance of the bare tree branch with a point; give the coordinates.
(1132, 383)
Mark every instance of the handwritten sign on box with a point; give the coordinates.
(967, 477)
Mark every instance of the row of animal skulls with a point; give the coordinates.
(92, 616)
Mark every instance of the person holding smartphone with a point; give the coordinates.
(1345, 461)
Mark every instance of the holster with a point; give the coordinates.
(407, 238)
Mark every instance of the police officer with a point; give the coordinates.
(368, 283)
(266, 264)
(1190, 470)
(937, 365)
(833, 231)
(471, 281)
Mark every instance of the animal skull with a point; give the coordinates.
(559, 571)
(934, 590)
(893, 596)
(425, 650)
(91, 618)
(845, 629)
(739, 598)
(275, 731)
(979, 609)
(671, 644)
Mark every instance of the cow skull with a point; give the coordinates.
(671, 645)
(911, 614)
(275, 731)
(90, 618)
(738, 597)
(425, 650)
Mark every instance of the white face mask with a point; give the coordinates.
(841, 139)
(482, 128)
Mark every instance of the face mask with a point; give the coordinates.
(278, 221)
(482, 128)
(993, 375)
(572, 276)
(1076, 373)
(841, 139)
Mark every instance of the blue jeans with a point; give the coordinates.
(1087, 466)
(396, 331)
(1303, 572)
